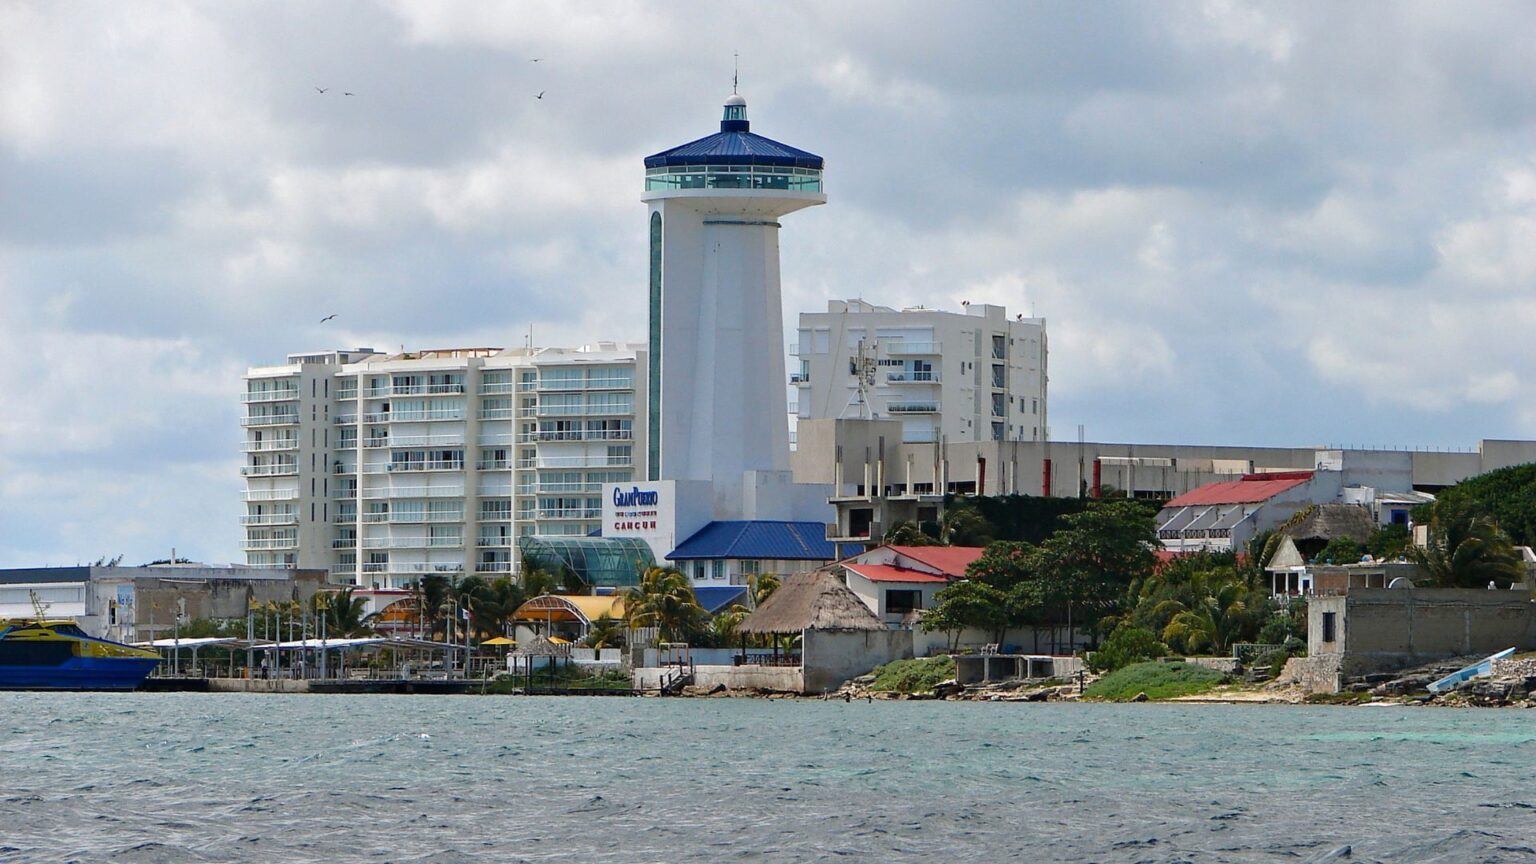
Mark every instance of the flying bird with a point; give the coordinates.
(322, 89)
(536, 60)
(540, 96)
(328, 317)
(349, 94)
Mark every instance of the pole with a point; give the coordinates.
(250, 636)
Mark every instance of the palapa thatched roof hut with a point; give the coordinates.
(1327, 521)
(816, 600)
(540, 646)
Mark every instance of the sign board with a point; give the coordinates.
(647, 510)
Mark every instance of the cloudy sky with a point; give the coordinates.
(1255, 224)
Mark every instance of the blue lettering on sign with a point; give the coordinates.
(634, 497)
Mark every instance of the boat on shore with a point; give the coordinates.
(55, 654)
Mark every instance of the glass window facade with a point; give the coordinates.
(615, 562)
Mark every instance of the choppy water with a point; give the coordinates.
(197, 777)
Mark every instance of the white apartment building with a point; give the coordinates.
(382, 468)
(950, 377)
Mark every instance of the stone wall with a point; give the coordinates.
(777, 679)
(1421, 624)
(832, 657)
(1316, 674)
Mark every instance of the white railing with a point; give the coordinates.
(912, 377)
(270, 519)
(344, 517)
(498, 386)
(270, 470)
(431, 567)
(570, 513)
(577, 435)
(344, 419)
(270, 494)
(567, 487)
(577, 462)
(271, 420)
(411, 542)
(414, 492)
(275, 444)
(484, 542)
(583, 410)
(344, 543)
(493, 567)
(494, 465)
(271, 543)
(498, 414)
(414, 416)
(912, 408)
(429, 465)
(270, 396)
(347, 394)
(494, 492)
(344, 493)
(619, 382)
(497, 516)
(901, 346)
(413, 518)
(413, 390)
(500, 438)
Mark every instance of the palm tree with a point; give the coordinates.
(664, 600)
(343, 613)
(908, 534)
(1214, 620)
(761, 587)
(1469, 553)
(605, 632)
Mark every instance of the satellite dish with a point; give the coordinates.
(1400, 582)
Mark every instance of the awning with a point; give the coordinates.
(499, 641)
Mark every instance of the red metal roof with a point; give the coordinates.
(1252, 489)
(949, 560)
(889, 573)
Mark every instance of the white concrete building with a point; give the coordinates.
(976, 375)
(383, 467)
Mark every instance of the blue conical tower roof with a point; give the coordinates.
(735, 144)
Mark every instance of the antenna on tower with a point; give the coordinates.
(864, 365)
(736, 73)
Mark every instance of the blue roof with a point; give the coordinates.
(734, 145)
(716, 597)
(782, 541)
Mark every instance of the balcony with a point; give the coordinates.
(349, 393)
(374, 567)
(557, 488)
(278, 470)
(577, 462)
(577, 435)
(503, 438)
(270, 519)
(912, 408)
(569, 513)
(413, 518)
(344, 543)
(344, 517)
(267, 446)
(493, 387)
(799, 377)
(584, 410)
(344, 419)
(492, 542)
(413, 390)
(495, 516)
(412, 542)
(901, 346)
(493, 567)
(413, 416)
(872, 531)
(912, 377)
(498, 414)
(414, 441)
(270, 395)
(429, 465)
(270, 543)
(494, 465)
(414, 492)
(431, 567)
(344, 493)
(271, 420)
(610, 382)
(270, 494)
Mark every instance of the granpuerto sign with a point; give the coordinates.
(635, 497)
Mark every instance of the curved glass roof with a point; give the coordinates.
(615, 562)
(734, 144)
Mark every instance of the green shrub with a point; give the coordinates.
(913, 676)
(1126, 645)
(1157, 680)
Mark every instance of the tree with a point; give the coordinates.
(1087, 565)
(664, 600)
(1468, 553)
(1507, 497)
(963, 604)
(1340, 550)
(1218, 616)
(605, 632)
(1126, 644)
(908, 533)
(963, 525)
(1388, 542)
(761, 587)
(432, 592)
(342, 612)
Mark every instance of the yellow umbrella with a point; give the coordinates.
(499, 640)
(558, 641)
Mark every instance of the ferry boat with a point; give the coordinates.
(55, 654)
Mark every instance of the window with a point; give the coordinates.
(899, 602)
(999, 348)
(1330, 626)
(717, 569)
(751, 567)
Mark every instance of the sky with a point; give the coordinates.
(1259, 224)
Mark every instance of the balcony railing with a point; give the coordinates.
(799, 377)
(569, 513)
(270, 445)
(412, 542)
(413, 518)
(492, 542)
(350, 393)
(555, 488)
(270, 470)
(344, 493)
(610, 382)
(498, 414)
(413, 416)
(413, 390)
(270, 494)
(577, 462)
(496, 491)
(270, 395)
(901, 346)
(584, 410)
(431, 567)
(429, 465)
(414, 441)
(493, 567)
(496, 516)
(414, 492)
(344, 543)
(344, 517)
(912, 377)
(498, 387)
(271, 420)
(270, 519)
(271, 543)
(576, 435)
(493, 465)
(912, 408)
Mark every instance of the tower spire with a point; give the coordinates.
(736, 73)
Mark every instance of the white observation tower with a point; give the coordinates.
(717, 386)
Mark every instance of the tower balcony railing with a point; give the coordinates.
(414, 416)
(577, 462)
(496, 438)
(912, 408)
(413, 441)
(493, 465)
(492, 542)
(764, 177)
(344, 419)
(414, 492)
(277, 470)
(608, 382)
(583, 410)
(346, 493)
(430, 465)
(495, 490)
(270, 395)
(270, 519)
(558, 488)
(576, 435)
(270, 494)
(271, 420)
(270, 543)
(412, 542)
(498, 387)
(495, 516)
(498, 414)
(343, 542)
(799, 377)
(569, 513)
(912, 377)
(903, 346)
(413, 517)
(344, 517)
(493, 567)
(431, 567)
(413, 390)
(271, 444)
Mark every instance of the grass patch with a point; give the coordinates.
(913, 676)
(1157, 680)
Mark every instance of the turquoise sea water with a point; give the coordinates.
(235, 778)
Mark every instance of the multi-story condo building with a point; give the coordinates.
(948, 377)
(384, 467)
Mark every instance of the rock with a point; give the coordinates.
(1140, 697)
(864, 679)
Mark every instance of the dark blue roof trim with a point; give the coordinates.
(771, 540)
(729, 147)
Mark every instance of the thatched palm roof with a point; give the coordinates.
(810, 601)
(540, 646)
(1327, 521)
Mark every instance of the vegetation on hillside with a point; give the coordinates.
(1158, 680)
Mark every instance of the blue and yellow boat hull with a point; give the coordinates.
(41, 654)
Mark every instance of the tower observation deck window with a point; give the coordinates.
(779, 177)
